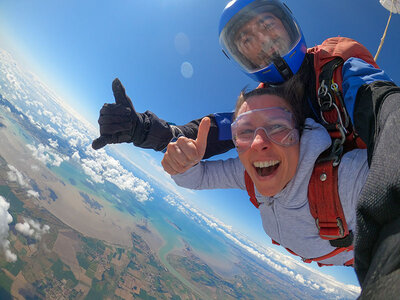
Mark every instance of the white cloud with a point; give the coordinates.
(284, 264)
(53, 143)
(32, 228)
(32, 193)
(35, 168)
(57, 120)
(10, 257)
(15, 175)
(47, 155)
(49, 129)
(102, 167)
(76, 156)
(47, 113)
(36, 104)
(76, 136)
(158, 174)
(24, 228)
(5, 219)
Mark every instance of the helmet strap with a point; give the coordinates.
(283, 68)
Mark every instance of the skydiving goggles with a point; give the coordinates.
(278, 124)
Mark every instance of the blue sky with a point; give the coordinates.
(166, 53)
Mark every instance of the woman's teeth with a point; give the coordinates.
(266, 168)
(265, 164)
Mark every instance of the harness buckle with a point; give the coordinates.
(341, 230)
(326, 96)
(337, 147)
(340, 226)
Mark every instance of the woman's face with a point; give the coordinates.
(270, 166)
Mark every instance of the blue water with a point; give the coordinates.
(196, 235)
(175, 228)
(158, 212)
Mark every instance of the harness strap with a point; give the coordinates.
(330, 99)
(349, 263)
(250, 189)
(325, 206)
(328, 62)
(324, 202)
(323, 257)
(329, 255)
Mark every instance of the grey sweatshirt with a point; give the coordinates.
(286, 216)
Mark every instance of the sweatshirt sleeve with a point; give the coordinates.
(207, 175)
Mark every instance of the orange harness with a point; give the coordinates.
(323, 198)
(328, 215)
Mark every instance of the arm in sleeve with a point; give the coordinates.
(219, 138)
(207, 175)
(156, 133)
(364, 89)
(378, 209)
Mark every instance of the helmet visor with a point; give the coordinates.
(277, 123)
(260, 32)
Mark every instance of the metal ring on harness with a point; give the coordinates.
(343, 132)
(339, 117)
(335, 88)
(336, 153)
(322, 92)
(337, 147)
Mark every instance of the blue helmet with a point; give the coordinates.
(263, 37)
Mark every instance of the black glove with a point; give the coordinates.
(119, 122)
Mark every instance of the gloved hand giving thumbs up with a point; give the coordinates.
(185, 153)
(119, 122)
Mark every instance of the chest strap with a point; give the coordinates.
(325, 205)
(250, 189)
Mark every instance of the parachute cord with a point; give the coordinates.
(384, 34)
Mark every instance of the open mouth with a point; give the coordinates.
(266, 168)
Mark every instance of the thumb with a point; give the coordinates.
(120, 94)
(201, 141)
(100, 142)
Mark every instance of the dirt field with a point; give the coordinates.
(105, 224)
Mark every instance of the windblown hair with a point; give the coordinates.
(291, 91)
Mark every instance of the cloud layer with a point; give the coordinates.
(284, 264)
(5, 219)
(67, 140)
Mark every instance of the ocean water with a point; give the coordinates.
(175, 227)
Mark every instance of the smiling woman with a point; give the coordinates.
(267, 141)
(266, 134)
(79, 47)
